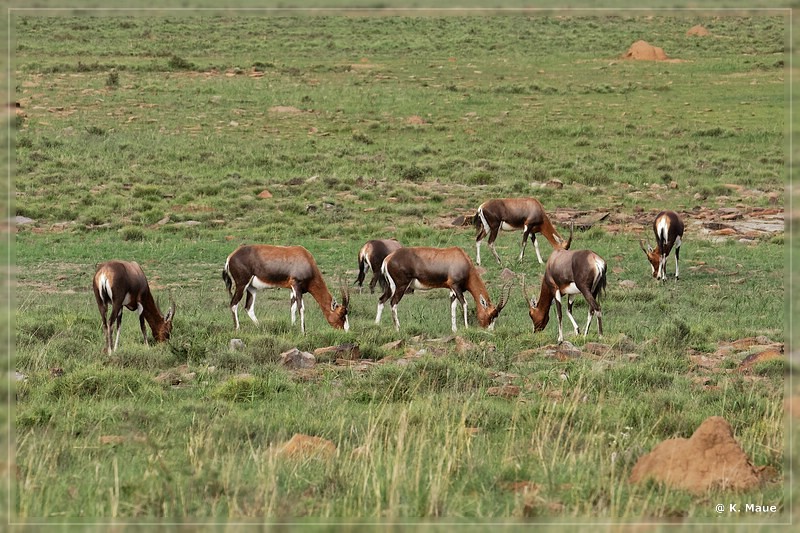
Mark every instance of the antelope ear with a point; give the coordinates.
(483, 302)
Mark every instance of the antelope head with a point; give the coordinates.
(654, 256)
(338, 315)
(490, 312)
(539, 317)
(162, 333)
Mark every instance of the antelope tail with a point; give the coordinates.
(226, 277)
(600, 278)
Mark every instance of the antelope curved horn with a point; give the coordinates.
(505, 293)
(571, 231)
(171, 311)
(525, 290)
(345, 290)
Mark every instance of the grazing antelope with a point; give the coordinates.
(254, 267)
(123, 283)
(371, 257)
(426, 268)
(569, 273)
(509, 214)
(668, 228)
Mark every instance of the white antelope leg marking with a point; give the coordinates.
(380, 312)
(293, 302)
(302, 315)
(536, 247)
(139, 311)
(570, 300)
(677, 247)
(524, 243)
(485, 224)
(560, 330)
(394, 318)
(453, 306)
(251, 311)
(465, 314)
(119, 328)
(235, 311)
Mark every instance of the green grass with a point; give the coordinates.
(134, 126)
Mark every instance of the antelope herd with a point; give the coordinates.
(399, 270)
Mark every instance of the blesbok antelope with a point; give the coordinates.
(569, 272)
(668, 228)
(261, 266)
(123, 284)
(426, 268)
(510, 214)
(371, 257)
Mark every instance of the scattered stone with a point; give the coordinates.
(394, 345)
(564, 351)
(673, 184)
(697, 31)
(597, 348)
(188, 223)
(504, 391)
(710, 458)
(163, 221)
(464, 346)
(751, 360)
(554, 184)
(19, 376)
(284, 109)
(303, 446)
(56, 372)
(507, 274)
(20, 220)
(627, 284)
(295, 359)
(175, 377)
(347, 350)
(236, 344)
(265, 194)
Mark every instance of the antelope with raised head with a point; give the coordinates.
(123, 284)
(426, 268)
(261, 266)
(569, 273)
(371, 257)
(668, 228)
(510, 214)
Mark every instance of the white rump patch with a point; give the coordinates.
(663, 228)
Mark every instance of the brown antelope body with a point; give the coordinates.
(510, 214)
(668, 228)
(569, 273)
(371, 257)
(254, 267)
(123, 284)
(426, 268)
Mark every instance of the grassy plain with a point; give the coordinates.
(370, 127)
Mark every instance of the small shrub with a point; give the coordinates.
(112, 80)
(132, 233)
(179, 63)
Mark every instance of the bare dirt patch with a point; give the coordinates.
(284, 109)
